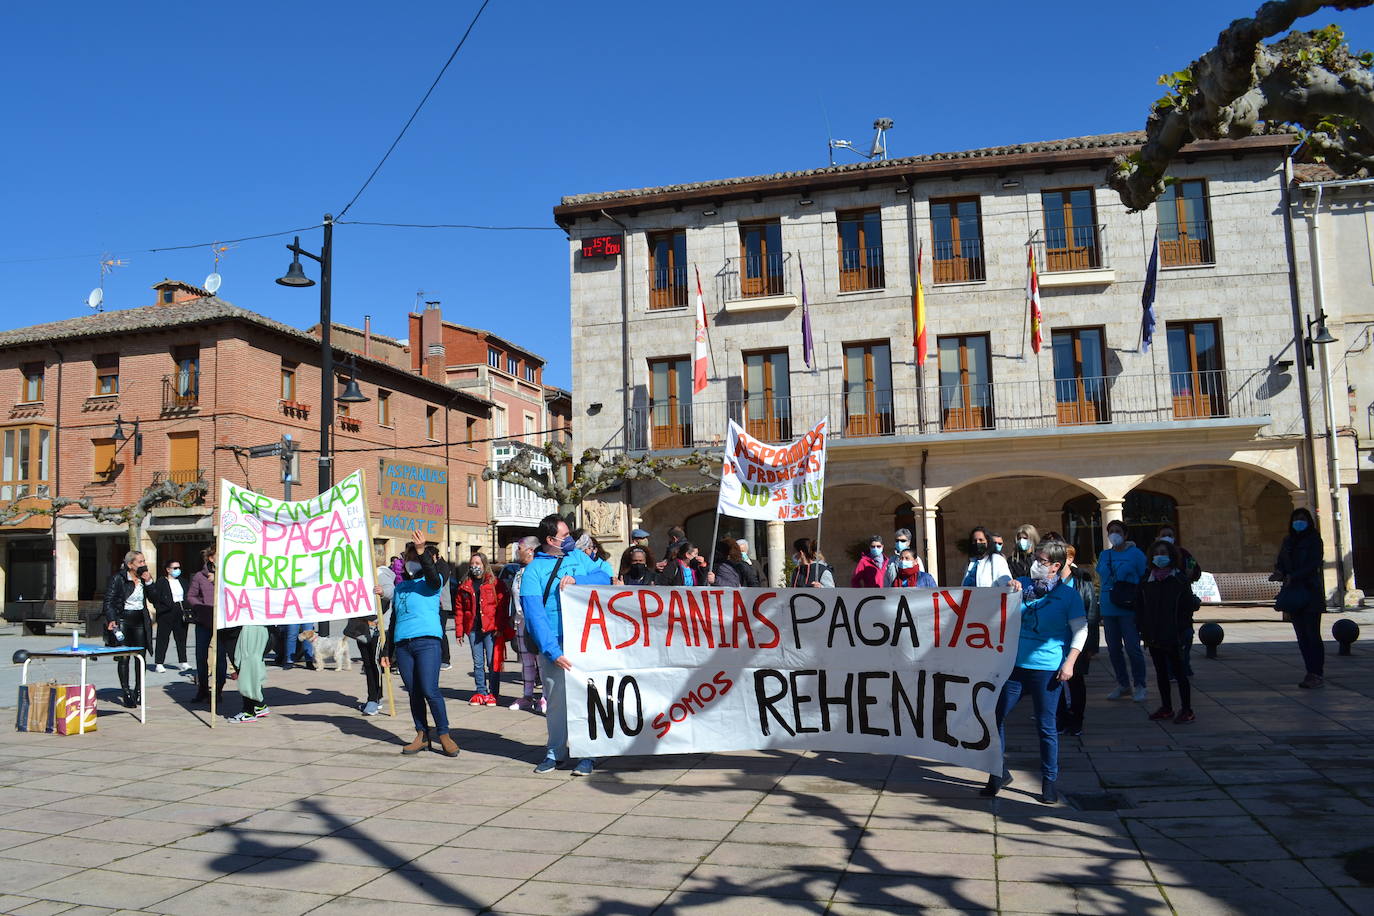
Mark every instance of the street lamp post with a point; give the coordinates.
(1317, 339)
(296, 277)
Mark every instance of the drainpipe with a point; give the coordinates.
(1333, 480)
(625, 373)
(1299, 333)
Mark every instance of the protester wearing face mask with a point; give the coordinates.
(1020, 560)
(200, 598)
(997, 544)
(483, 617)
(525, 649)
(1120, 568)
(168, 597)
(907, 572)
(556, 563)
(592, 548)
(1053, 631)
(126, 612)
(727, 564)
(901, 540)
(1164, 613)
(811, 570)
(638, 570)
(985, 568)
(1303, 594)
(1191, 572)
(872, 566)
(684, 568)
(750, 576)
(1074, 699)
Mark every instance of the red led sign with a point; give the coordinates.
(602, 246)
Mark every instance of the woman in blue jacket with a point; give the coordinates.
(1123, 564)
(414, 639)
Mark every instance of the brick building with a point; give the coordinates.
(104, 405)
(1205, 430)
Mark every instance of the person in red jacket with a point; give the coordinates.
(484, 619)
(869, 572)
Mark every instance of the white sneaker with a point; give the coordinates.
(243, 717)
(543, 706)
(1118, 694)
(1139, 695)
(445, 666)
(185, 666)
(159, 669)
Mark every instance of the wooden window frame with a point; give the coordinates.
(182, 354)
(431, 423)
(776, 423)
(767, 283)
(474, 495)
(677, 433)
(383, 407)
(968, 415)
(956, 268)
(183, 474)
(1071, 255)
(288, 381)
(878, 416)
(1090, 402)
(865, 270)
(667, 283)
(111, 469)
(106, 368)
(31, 383)
(1206, 395)
(471, 429)
(530, 373)
(34, 482)
(493, 357)
(1184, 250)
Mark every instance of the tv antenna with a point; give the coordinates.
(96, 298)
(420, 295)
(877, 151)
(214, 280)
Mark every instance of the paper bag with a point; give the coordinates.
(37, 708)
(70, 709)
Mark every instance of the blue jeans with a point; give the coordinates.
(293, 632)
(418, 661)
(1043, 687)
(1123, 642)
(555, 693)
(483, 657)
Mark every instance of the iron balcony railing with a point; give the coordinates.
(1066, 248)
(957, 261)
(180, 390)
(864, 412)
(1186, 244)
(181, 478)
(861, 268)
(668, 287)
(525, 507)
(755, 276)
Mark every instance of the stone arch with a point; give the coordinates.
(1279, 478)
(1069, 479)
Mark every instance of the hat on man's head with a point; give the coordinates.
(639, 533)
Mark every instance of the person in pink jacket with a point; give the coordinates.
(869, 572)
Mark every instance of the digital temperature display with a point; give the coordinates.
(602, 246)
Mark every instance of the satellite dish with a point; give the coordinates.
(212, 282)
(96, 297)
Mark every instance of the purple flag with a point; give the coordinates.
(808, 345)
(1147, 298)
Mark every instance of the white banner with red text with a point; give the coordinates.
(294, 562)
(772, 482)
(692, 670)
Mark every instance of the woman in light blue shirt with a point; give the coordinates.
(414, 645)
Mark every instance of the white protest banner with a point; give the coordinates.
(773, 482)
(294, 562)
(690, 670)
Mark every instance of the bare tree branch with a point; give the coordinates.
(130, 516)
(1309, 82)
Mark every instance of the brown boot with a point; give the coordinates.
(447, 746)
(420, 743)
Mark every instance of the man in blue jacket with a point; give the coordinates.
(556, 563)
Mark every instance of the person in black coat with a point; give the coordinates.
(126, 612)
(1164, 615)
(168, 597)
(1073, 702)
(1299, 568)
(638, 568)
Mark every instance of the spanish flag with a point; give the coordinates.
(1033, 297)
(918, 307)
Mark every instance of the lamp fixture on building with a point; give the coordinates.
(295, 276)
(119, 436)
(351, 393)
(1011, 183)
(708, 212)
(1321, 338)
(805, 202)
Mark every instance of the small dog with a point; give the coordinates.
(330, 647)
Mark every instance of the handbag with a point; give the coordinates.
(1292, 598)
(1121, 594)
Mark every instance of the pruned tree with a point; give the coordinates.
(182, 494)
(594, 473)
(1308, 82)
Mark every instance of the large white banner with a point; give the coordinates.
(293, 562)
(889, 671)
(773, 482)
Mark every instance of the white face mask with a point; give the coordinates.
(1115, 539)
(1024, 544)
(413, 567)
(1039, 571)
(1167, 538)
(908, 564)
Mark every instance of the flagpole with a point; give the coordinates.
(1025, 312)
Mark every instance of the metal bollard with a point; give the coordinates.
(1211, 635)
(1345, 631)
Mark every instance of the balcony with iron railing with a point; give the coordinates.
(1107, 403)
(1186, 244)
(521, 508)
(861, 269)
(180, 391)
(181, 478)
(1073, 256)
(668, 288)
(766, 276)
(957, 261)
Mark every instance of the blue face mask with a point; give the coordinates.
(568, 545)
(875, 551)
(1299, 524)
(1159, 561)
(176, 574)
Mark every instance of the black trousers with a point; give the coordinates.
(203, 660)
(170, 625)
(446, 654)
(224, 657)
(134, 635)
(1166, 660)
(1073, 700)
(371, 669)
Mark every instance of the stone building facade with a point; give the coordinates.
(191, 382)
(1205, 429)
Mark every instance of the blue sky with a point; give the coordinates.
(133, 126)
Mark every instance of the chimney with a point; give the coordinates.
(367, 335)
(432, 336)
(174, 292)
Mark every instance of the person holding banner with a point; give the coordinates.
(414, 636)
(638, 569)
(252, 667)
(1053, 631)
(985, 568)
(556, 563)
(872, 569)
(900, 542)
(200, 598)
(811, 569)
(909, 573)
(685, 568)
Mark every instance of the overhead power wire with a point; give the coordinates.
(458, 47)
(355, 222)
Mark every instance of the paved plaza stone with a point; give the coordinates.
(1252, 809)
